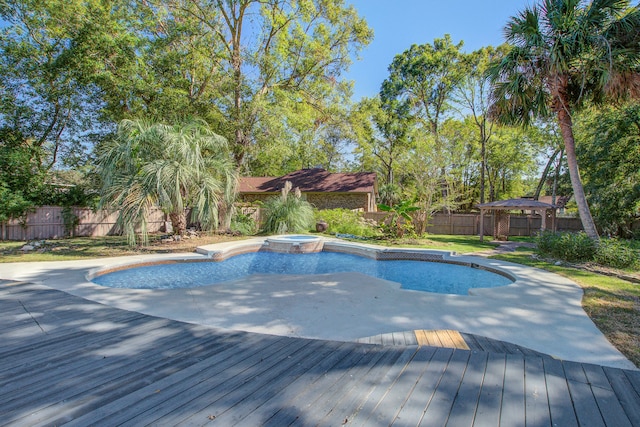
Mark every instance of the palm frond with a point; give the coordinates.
(173, 167)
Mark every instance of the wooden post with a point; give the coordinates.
(481, 224)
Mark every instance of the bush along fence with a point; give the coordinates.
(52, 222)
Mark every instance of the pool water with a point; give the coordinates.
(415, 275)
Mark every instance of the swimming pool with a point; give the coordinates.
(426, 276)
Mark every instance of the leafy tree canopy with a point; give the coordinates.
(610, 159)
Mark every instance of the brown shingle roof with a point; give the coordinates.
(312, 181)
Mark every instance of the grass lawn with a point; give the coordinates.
(458, 244)
(110, 246)
(98, 247)
(613, 304)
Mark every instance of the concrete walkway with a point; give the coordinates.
(540, 311)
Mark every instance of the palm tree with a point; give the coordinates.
(151, 165)
(563, 54)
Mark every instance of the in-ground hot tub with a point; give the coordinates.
(294, 244)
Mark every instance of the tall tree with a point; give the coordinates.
(512, 154)
(384, 136)
(425, 77)
(473, 96)
(43, 95)
(173, 167)
(69, 67)
(610, 160)
(273, 48)
(564, 52)
(21, 174)
(422, 80)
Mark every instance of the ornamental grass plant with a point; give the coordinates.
(287, 213)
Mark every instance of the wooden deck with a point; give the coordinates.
(68, 361)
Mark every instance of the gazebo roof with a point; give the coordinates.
(515, 204)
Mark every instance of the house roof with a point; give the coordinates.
(312, 181)
(516, 204)
(561, 201)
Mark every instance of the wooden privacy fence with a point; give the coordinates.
(47, 222)
(469, 224)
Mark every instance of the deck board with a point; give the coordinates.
(402, 388)
(344, 411)
(275, 388)
(467, 400)
(625, 394)
(582, 396)
(68, 361)
(445, 396)
(513, 392)
(150, 401)
(297, 409)
(227, 391)
(331, 354)
(610, 407)
(425, 388)
(537, 411)
(342, 390)
(490, 399)
(560, 405)
(367, 408)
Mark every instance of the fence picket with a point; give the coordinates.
(46, 222)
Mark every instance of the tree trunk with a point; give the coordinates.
(492, 186)
(178, 222)
(543, 178)
(483, 163)
(556, 177)
(566, 128)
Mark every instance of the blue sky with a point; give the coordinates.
(397, 24)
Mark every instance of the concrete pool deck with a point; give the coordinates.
(541, 310)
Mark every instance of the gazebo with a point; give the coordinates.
(513, 205)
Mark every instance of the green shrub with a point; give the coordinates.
(287, 213)
(244, 224)
(570, 247)
(616, 253)
(577, 247)
(546, 242)
(70, 221)
(345, 221)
